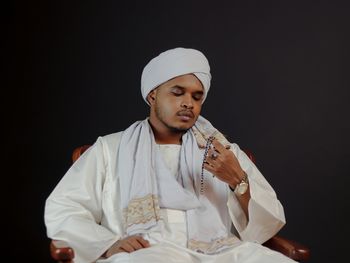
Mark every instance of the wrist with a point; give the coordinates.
(241, 176)
(242, 187)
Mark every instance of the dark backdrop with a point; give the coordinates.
(280, 88)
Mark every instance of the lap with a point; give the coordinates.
(247, 252)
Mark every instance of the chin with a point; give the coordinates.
(185, 127)
(180, 126)
(178, 129)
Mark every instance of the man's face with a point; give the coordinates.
(176, 104)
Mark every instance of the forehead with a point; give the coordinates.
(188, 81)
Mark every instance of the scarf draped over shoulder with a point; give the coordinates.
(147, 185)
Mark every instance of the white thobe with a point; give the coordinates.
(84, 210)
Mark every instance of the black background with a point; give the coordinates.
(280, 88)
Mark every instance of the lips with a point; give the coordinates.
(188, 114)
(185, 115)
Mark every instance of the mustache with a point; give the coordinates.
(187, 113)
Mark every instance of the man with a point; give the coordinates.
(169, 188)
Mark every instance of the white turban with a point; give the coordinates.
(173, 63)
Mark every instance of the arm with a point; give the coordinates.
(259, 204)
(266, 214)
(73, 211)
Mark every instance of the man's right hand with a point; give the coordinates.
(128, 244)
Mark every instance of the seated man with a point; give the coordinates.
(169, 188)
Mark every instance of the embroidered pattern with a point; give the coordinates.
(214, 246)
(142, 211)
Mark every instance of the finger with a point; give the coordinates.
(213, 171)
(206, 163)
(135, 244)
(127, 247)
(218, 146)
(209, 161)
(144, 243)
(119, 249)
(113, 251)
(209, 168)
(212, 155)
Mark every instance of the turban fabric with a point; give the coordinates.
(173, 63)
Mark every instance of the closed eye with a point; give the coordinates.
(197, 96)
(177, 91)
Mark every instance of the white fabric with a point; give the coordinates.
(173, 63)
(169, 247)
(246, 252)
(147, 185)
(171, 155)
(85, 211)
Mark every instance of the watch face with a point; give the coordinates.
(242, 188)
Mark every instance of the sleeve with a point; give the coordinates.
(73, 211)
(266, 214)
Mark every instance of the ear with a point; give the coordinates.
(151, 97)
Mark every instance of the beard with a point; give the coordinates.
(172, 128)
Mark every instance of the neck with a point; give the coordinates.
(164, 135)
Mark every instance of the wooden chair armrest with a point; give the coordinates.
(289, 248)
(79, 151)
(61, 252)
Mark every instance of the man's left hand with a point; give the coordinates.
(223, 164)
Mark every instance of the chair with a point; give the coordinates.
(62, 253)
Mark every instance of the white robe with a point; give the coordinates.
(85, 211)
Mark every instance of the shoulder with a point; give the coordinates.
(112, 138)
(239, 153)
(109, 142)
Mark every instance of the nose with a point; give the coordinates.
(187, 102)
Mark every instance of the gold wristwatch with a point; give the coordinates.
(242, 187)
